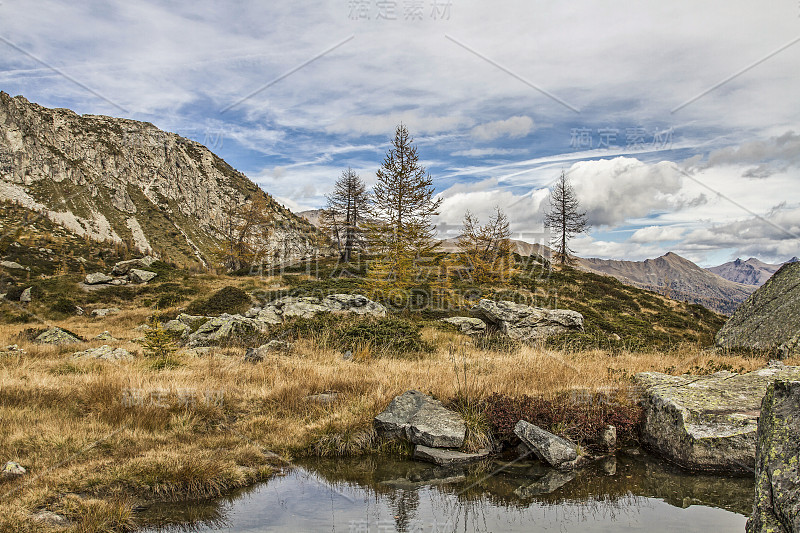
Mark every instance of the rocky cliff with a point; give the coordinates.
(119, 180)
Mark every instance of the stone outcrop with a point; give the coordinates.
(123, 267)
(420, 419)
(222, 328)
(467, 324)
(307, 306)
(256, 355)
(126, 180)
(105, 352)
(777, 502)
(769, 318)
(97, 278)
(525, 323)
(140, 276)
(56, 336)
(552, 449)
(707, 422)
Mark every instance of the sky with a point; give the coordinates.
(677, 123)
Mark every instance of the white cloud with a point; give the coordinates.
(514, 128)
(657, 234)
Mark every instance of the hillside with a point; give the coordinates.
(750, 272)
(676, 277)
(123, 181)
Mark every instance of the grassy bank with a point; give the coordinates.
(100, 438)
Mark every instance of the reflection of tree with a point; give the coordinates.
(404, 504)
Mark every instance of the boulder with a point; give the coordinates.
(13, 469)
(423, 420)
(552, 449)
(707, 422)
(308, 306)
(256, 355)
(443, 457)
(768, 319)
(26, 297)
(609, 437)
(123, 267)
(353, 303)
(178, 328)
(323, 397)
(140, 276)
(49, 518)
(223, 328)
(777, 502)
(56, 336)
(268, 316)
(97, 278)
(13, 265)
(467, 324)
(525, 323)
(105, 336)
(105, 352)
(105, 311)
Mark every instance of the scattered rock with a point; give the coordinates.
(526, 323)
(348, 355)
(123, 267)
(49, 518)
(13, 265)
(466, 324)
(25, 297)
(119, 281)
(323, 397)
(252, 312)
(615, 337)
(256, 355)
(140, 276)
(707, 422)
(769, 317)
(308, 306)
(224, 327)
(105, 352)
(105, 311)
(268, 316)
(178, 328)
(553, 450)
(97, 278)
(13, 469)
(777, 501)
(57, 336)
(550, 482)
(105, 336)
(609, 437)
(201, 351)
(421, 419)
(447, 457)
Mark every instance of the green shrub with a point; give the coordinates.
(229, 299)
(387, 334)
(64, 306)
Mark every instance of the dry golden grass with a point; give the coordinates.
(99, 436)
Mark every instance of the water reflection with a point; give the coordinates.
(631, 492)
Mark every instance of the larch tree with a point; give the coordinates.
(486, 250)
(247, 227)
(345, 213)
(564, 218)
(402, 208)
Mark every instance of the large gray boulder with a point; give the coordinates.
(104, 352)
(136, 275)
(525, 323)
(308, 306)
(769, 318)
(26, 296)
(777, 502)
(224, 327)
(56, 336)
(552, 449)
(707, 422)
(420, 419)
(123, 267)
(97, 278)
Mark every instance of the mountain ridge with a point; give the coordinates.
(749, 272)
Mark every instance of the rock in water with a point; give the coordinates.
(777, 503)
(550, 448)
(526, 323)
(769, 318)
(58, 336)
(707, 422)
(447, 457)
(423, 420)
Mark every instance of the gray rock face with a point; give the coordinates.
(420, 419)
(224, 327)
(140, 276)
(105, 352)
(56, 336)
(707, 422)
(97, 278)
(467, 324)
(123, 267)
(770, 317)
(552, 449)
(526, 323)
(777, 501)
(447, 457)
(26, 297)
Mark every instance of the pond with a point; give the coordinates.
(629, 492)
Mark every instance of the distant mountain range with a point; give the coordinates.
(750, 272)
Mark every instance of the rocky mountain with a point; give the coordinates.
(768, 319)
(117, 180)
(676, 277)
(750, 272)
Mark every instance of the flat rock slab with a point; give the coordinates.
(447, 457)
(707, 423)
(423, 420)
(552, 449)
(777, 503)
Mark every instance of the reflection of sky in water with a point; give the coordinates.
(306, 501)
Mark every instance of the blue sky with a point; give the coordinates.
(678, 123)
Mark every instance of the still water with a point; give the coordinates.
(629, 492)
